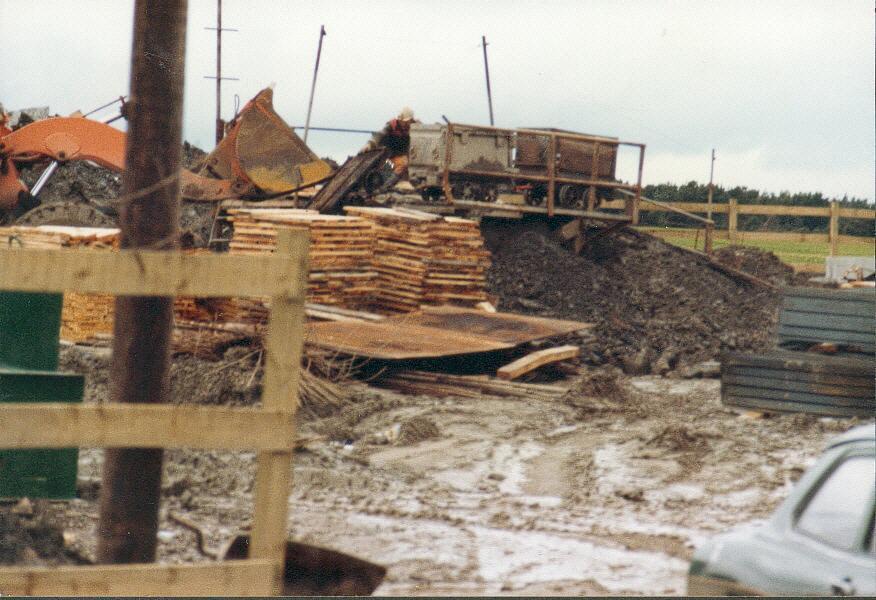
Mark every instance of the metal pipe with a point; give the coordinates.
(131, 488)
(220, 127)
(564, 135)
(337, 129)
(44, 178)
(108, 104)
(487, 71)
(313, 84)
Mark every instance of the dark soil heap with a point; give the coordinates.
(81, 181)
(760, 263)
(655, 307)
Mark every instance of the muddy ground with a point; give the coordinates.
(604, 492)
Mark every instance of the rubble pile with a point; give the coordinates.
(83, 315)
(422, 258)
(656, 308)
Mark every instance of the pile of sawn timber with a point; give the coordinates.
(422, 258)
(825, 361)
(340, 251)
(83, 316)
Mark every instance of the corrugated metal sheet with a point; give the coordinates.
(815, 315)
(785, 381)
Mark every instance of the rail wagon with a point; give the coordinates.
(541, 166)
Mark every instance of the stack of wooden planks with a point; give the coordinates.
(340, 252)
(83, 316)
(422, 258)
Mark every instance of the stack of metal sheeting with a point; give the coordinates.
(784, 381)
(815, 315)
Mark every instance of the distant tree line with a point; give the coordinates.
(697, 192)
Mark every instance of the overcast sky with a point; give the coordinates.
(783, 90)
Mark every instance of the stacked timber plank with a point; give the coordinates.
(340, 251)
(784, 381)
(819, 316)
(825, 362)
(83, 316)
(423, 258)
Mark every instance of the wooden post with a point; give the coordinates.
(141, 350)
(707, 239)
(833, 233)
(732, 217)
(280, 393)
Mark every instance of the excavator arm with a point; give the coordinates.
(75, 138)
(260, 157)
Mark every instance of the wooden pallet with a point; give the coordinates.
(270, 430)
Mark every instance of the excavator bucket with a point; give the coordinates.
(261, 149)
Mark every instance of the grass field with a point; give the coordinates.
(791, 252)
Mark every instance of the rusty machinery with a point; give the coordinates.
(260, 157)
(545, 170)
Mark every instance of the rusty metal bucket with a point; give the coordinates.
(261, 150)
(314, 571)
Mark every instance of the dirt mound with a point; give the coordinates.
(416, 429)
(82, 181)
(598, 390)
(757, 262)
(655, 307)
(678, 438)
(32, 536)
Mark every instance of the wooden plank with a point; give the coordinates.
(571, 229)
(228, 579)
(537, 359)
(147, 273)
(857, 213)
(748, 209)
(62, 425)
(779, 210)
(283, 348)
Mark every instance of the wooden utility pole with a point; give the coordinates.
(313, 85)
(711, 185)
(141, 349)
(220, 124)
(487, 71)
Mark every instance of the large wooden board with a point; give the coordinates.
(149, 273)
(436, 333)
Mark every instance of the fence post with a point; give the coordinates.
(732, 214)
(707, 239)
(834, 228)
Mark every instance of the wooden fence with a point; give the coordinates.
(733, 209)
(269, 430)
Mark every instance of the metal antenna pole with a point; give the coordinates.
(711, 185)
(220, 124)
(487, 71)
(313, 85)
(131, 490)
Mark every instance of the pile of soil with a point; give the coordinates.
(655, 307)
(30, 535)
(81, 181)
(755, 261)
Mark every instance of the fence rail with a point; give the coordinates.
(270, 429)
(733, 209)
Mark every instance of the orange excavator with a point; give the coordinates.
(260, 157)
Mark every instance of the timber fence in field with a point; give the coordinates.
(834, 212)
